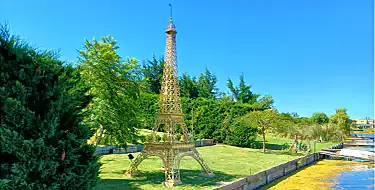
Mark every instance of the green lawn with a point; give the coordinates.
(227, 162)
(275, 143)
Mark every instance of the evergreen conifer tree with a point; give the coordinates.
(42, 137)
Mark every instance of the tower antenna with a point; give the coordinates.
(171, 9)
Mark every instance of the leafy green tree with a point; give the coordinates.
(147, 109)
(319, 118)
(188, 86)
(42, 137)
(152, 71)
(265, 121)
(332, 132)
(341, 118)
(265, 103)
(207, 85)
(295, 127)
(242, 93)
(114, 85)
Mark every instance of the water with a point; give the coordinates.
(371, 136)
(360, 176)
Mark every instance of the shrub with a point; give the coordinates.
(43, 142)
(241, 135)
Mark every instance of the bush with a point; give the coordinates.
(241, 135)
(43, 142)
(157, 138)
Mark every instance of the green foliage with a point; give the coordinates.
(147, 109)
(153, 74)
(242, 93)
(114, 85)
(188, 86)
(341, 118)
(157, 138)
(332, 132)
(264, 121)
(211, 117)
(241, 134)
(265, 103)
(42, 137)
(319, 118)
(207, 85)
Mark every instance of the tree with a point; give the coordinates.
(207, 85)
(319, 118)
(114, 85)
(265, 103)
(42, 137)
(242, 93)
(341, 118)
(296, 127)
(188, 86)
(153, 74)
(265, 121)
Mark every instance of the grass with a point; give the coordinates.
(276, 143)
(227, 162)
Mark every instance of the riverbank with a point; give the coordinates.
(318, 176)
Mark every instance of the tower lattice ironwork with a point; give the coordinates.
(170, 116)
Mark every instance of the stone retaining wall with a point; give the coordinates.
(264, 177)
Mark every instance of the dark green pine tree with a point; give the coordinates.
(42, 137)
(153, 74)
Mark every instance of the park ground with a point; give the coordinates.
(227, 162)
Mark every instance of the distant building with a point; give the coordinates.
(365, 123)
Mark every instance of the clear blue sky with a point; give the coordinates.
(310, 55)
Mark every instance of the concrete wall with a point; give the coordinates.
(204, 142)
(264, 177)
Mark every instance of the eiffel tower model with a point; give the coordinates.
(170, 116)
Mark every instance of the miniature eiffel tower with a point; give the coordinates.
(170, 115)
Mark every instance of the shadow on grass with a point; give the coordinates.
(259, 145)
(191, 179)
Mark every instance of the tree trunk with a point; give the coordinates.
(296, 143)
(101, 128)
(264, 140)
(308, 145)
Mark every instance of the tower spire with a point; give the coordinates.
(171, 11)
(171, 28)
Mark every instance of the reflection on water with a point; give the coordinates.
(361, 177)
